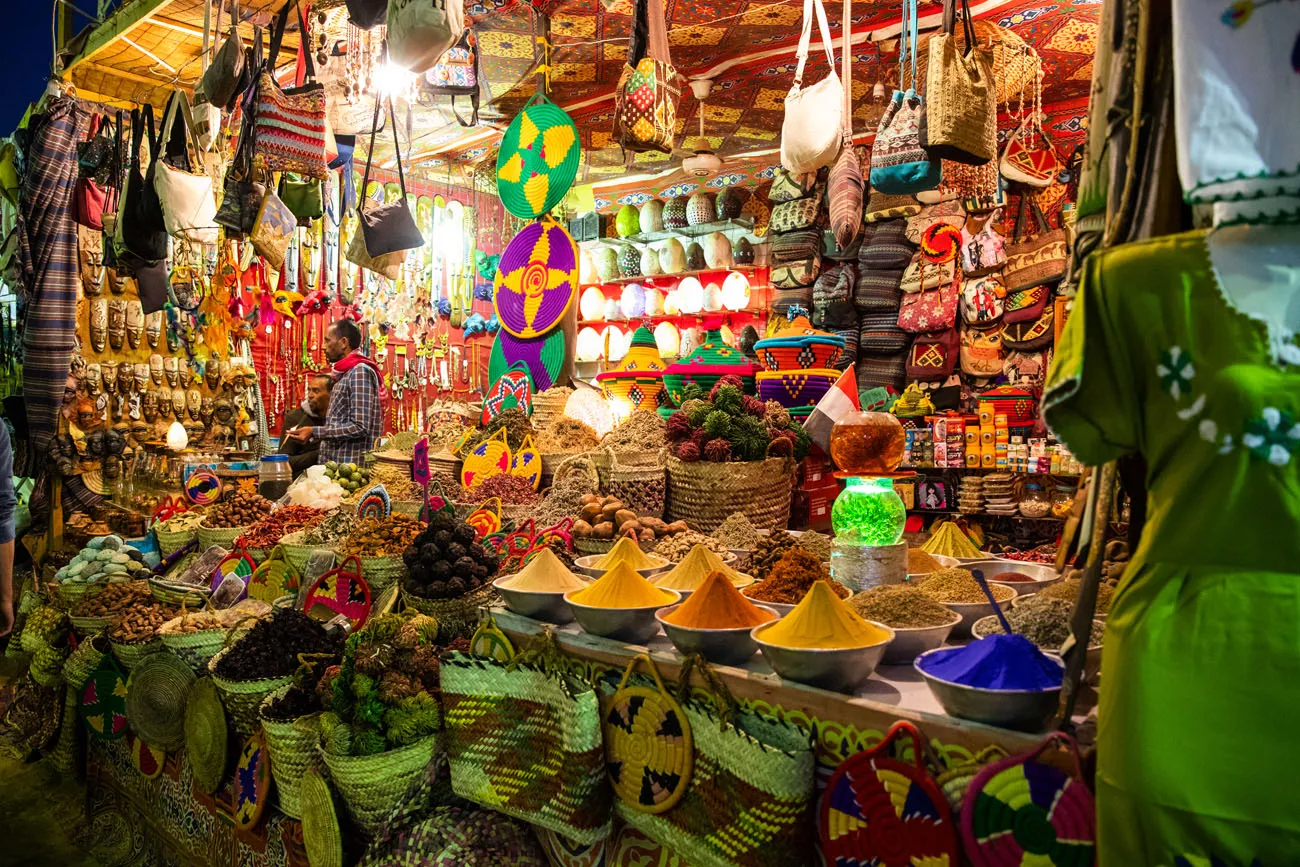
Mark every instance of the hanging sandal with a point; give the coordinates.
(98, 324)
(134, 323)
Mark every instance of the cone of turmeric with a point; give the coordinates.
(629, 553)
(699, 564)
(545, 574)
(717, 604)
(822, 621)
(622, 587)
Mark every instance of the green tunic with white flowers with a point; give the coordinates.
(1199, 722)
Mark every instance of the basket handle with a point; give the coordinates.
(225, 642)
(903, 727)
(654, 672)
(722, 698)
(1064, 741)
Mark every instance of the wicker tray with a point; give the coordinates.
(175, 594)
(84, 626)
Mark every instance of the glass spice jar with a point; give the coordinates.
(1035, 503)
(867, 444)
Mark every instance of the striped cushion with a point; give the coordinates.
(877, 291)
(882, 206)
(846, 190)
(849, 357)
(887, 246)
(882, 370)
(879, 334)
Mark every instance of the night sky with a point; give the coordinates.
(27, 46)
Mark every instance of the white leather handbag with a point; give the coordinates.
(421, 31)
(188, 204)
(812, 130)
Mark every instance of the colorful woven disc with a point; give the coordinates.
(205, 734)
(514, 389)
(488, 458)
(940, 243)
(1021, 810)
(273, 578)
(486, 519)
(146, 759)
(375, 504)
(341, 590)
(237, 563)
(527, 463)
(879, 810)
(203, 487)
(252, 782)
(563, 852)
(103, 701)
(538, 279)
(538, 159)
(543, 356)
(648, 749)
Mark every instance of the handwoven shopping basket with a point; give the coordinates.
(298, 553)
(457, 618)
(129, 655)
(371, 787)
(221, 537)
(381, 572)
(170, 543)
(175, 594)
(70, 592)
(704, 493)
(243, 698)
(640, 487)
(292, 746)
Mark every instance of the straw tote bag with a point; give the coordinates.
(1034, 259)
(846, 182)
(645, 103)
(960, 105)
(811, 132)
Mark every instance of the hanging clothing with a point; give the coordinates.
(48, 250)
(1202, 643)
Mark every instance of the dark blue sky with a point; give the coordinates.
(27, 46)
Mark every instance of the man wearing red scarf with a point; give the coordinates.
(355, 418)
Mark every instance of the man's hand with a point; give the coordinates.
(300, 434)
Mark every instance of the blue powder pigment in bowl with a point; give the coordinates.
(996, 662)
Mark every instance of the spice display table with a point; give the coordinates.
(844, 723)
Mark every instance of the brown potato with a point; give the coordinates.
(603, 530)
(630, 527)
(581, 529)
(623, 516)
(676, 527)
(608, 511)
(587, 499)
(590, 512)
(647, 535)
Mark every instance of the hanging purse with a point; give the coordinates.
(877, 291)
(929, 309)
(95, 154)
(885, 246)
(1023, 305)
(981, 351)
(457, 73)
(421, 31)
(1036, 259)
(879, 334)
(960, 95)
(984, 249)
(933, 357)
(221, 80)
(96, 191)
(1032, 335)
(290, 125)
(899, 165)
(833, 298)
(645, 102)
(799, 214)
(846, 183)
(950, 212)
(922, 274)
(392, 226)
(1022, 161)
(796, 274)
(241, 197)
(787, 186)
(140, 228)
(812, 129)
(305, 197)
(189, 209)
(981, 300)
(273, 229)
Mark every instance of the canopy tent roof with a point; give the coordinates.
(747, 48)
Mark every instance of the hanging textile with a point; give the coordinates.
(48, 251)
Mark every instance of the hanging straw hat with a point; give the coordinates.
(155, 700)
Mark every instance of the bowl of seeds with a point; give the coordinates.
(1027, 578)
(1046, 622)
(957, 589)
(919, 622)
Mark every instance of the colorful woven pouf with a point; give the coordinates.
(795, 388)
(1020, 810)
(648, 750)
(638, 381)
(706, 364)
(538, 279)
(879, 810)
(538, 159)
(799, 346)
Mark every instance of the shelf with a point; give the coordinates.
(937, 512)
(663, 317)
(922, 470)
(675, 278)
(698, 231)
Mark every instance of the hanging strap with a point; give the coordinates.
(805, 38)
(370, 154)
(179, 107)
(907, 44)
(950, 23)
(116, 180)
(142, 125)
(1028, 204)
(658, 48)
(846, 66)
(277, 37)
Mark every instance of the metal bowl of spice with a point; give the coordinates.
(843, 669)
(1046, 622)
(1027, 578)
(1026, 710)
(958, 590)
(731, 646)
(538, 604)
(633, 625)
(919, 622)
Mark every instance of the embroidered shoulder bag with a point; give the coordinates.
(1036, 259)
(899, 165)
(846, 182)
(290, 125)
(983, 250)
(645, 102)
(387, 231)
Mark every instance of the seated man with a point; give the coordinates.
(355, 418)
(311, 413)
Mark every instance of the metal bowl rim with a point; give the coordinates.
(819, 650)
(916, 663)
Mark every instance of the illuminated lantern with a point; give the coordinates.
(735, 291)
(592, 303)
(637, 382)
(690, 296)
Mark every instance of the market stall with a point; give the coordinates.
(711, 483)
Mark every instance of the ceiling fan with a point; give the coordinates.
(703, 162)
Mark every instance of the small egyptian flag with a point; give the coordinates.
(839, 401)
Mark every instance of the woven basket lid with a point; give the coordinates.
(713, 355)
(252, 782)
(798, 329)
(648, 745)
(538, 160)
(205, 734)
(320, 822)
(642, 358)
(537, 281)
(543, 356)
(155, 700)
(103, 701)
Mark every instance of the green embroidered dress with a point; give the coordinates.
(1199, 725)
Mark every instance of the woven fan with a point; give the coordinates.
(155, 700)
(202, 487)
(648, 749)
(146, 759)
(491, 642)
(375, 504)
(341, 590)
(252, 782)
(103, 701)
(273, 578)
(538, 159)
(537, 281)
(205, 734)
(543, 356)
(1021, 808)
(877, 808)
(486, 519)
(514, 388)
(527, 463)
(489, 458)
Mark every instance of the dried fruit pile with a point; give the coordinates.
(271, 648)
(446, 561)
(267, 532)
(114, 598)
(139, 620)
(381, 537)
(237, 509)
(728, 425)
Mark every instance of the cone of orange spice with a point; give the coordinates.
(717, 604)
(791, 579)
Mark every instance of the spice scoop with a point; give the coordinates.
(978, 575)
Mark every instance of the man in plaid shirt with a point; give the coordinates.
(355, 418)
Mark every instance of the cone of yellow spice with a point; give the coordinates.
(717, 604)
(695, 567)
(822, 621)
(544, 574)
(628, 553)
(622, 587)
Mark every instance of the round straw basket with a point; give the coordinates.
(69, 592)
(298, 553)
(704, 493)
(242, 698)
(457, 618)
(224, 537)
(170, 543)
(198, 648)
(85, 626)
(292, 746)
(381, 572)
(372, 786)
(641, 488)
(129, 655)
(604, 457)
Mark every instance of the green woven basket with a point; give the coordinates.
(457, 618)
(292, 747)
(63, 756)
(206, 734)
(170, 543)
(155, 700)
(129, 655)
(174, 594)
(243, 698)
(86, 626)
(381, 572)
(198, 648)
(320, 823)
(373, 786)
(222, 538)
(84, 660)
(70, 592)
(297, 553)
